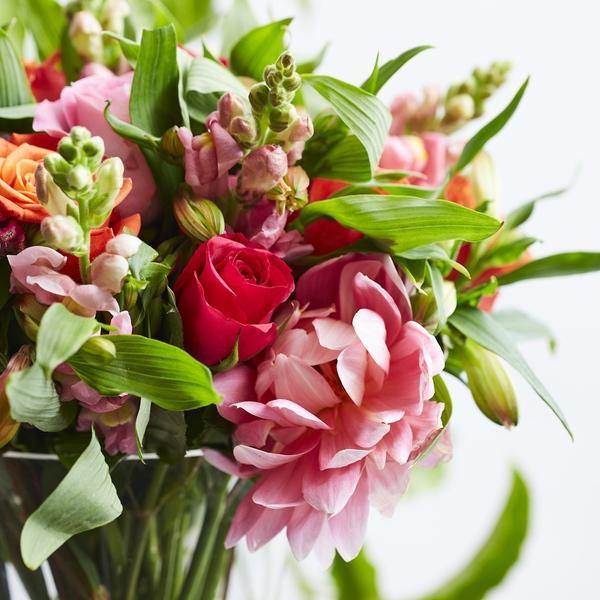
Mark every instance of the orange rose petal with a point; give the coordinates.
(6, 148)
(25, 151)
(127, 187)
(132, 223)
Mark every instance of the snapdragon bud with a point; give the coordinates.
(109, 271)
(109, 181)
(54, 200)
(259, 97)
(460, 108)
(93, 150)
(262, 169)
(171, 144)
(243, 130)
(281, 117)
(230, 106)
(286, 64)
(124, 244)
(86, 35)
(484, 179)
(301, 129)
(79, 177)
(101, 348)
(198, 218)
(62, 232)
(490, 385)
(291, 192)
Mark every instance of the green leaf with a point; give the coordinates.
(487, 132)
(130, 48)
(237, 21)
(434, 252)
(556, 265)
(141, 259)
(366, 117)
(355, 579)
(159, 372)
(17, 119)
(404, 222)
(85, 499)
(46, 20)
(519, 215)
(371, 82)
(487, 332)
(154, 103)
(258, 48)
(505, 253)
(498, 554)
(311, 65)
(60, 335)
(130, 132)
(33, 399)
(386, 71)
(522, 326)
(194, 17)
(166, 434)
(437, 287)
(141, 423)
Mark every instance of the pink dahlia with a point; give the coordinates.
(335, 415)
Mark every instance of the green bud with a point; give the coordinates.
(272, 76)
(460, 108)
(55, 164)
(292, 83)
(490, 385)
(171, 144)
(101, 348)
(79, 177)
(278, 97)
(79, 134)
(68, 150)
(54, 200)
(198, 218)
(109, 181)
(94, 151)
(259, 96)
(281, 117)
(286, 64)
(426, 310)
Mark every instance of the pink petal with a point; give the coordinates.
(363, 428)
(293, 414)
(267, 526)
(370, 329)
(337, 450)
(303, 530)
(330, 490)
(94, 298)
(334, 334)
(399, 441)
(280, 488)
(122, 321)
(225, 464)
(245, 518)
(387, 485)
(351, 369)
(304, 345)
(235, 385)
(261, 458)
(254, 433)
(348, 528)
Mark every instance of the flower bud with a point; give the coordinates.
(55, 201)
(28, 305)
(109, 181)
(427, 313)
(12, 237)
(8, 427)
(67, 149)
(490, 385)
(278, 97)
(273, 78)
(301, 129)
(94, 151)
(121, 415)
(86, 35)
(286, 64)
(56, 164)
(101, 347)
(62, 233)
(262, 169)
(460, 108)
(483, 178)
(230, 106)
(109, 271)
(79, 177)
(171, 144)
(79, 134)
(243, 130)
(124, 244)
(199, 219)
(292, 83)
(281, 117)
(259, 96)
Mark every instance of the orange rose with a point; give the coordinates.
(18, 198)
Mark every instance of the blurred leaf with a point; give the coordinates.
(355, 579)
(193, 16)
(519, 215)
(497, 555)
(437, 287)
(366, 117)
(46, 20)
(85, 499)
(522, 326)
(159, 372)
(487, 132)
(370, 83)
(435, 252)
(130, 132)
(556, 265)
(487, 332)
(311, 65)
(130, 48)
(166, 434)
(141, 423)
(505, 253)
(258, 48)
(237, 22)
(403, 222)
(385, 72)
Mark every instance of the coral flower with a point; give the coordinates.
(337, 412)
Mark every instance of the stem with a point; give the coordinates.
(143, 530)
(219, 553)
(215, 507)
(84, 259)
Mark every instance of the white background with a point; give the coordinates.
(555, 129)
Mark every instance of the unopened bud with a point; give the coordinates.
(79, 177)
(428, 313)
(262, 169)
(273, 78)
(94, 152)
(109, 271)
(171, 144)
(55, 164)
(281, 117)
(490, 385)
(293, 82)
(86, 35)
(460, 108)
(286, 64)
(54, 200)
(229, 107)
(124, 245)
(259, 96)
(109, 181)
(483, 178)
(101, 348)
(199, 219)
(62, 233)
(28, 305)
(67, 149)
(301, 129)
(243, 129)
(277, 97)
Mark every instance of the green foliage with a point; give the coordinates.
(355, 579)
(402, 222)
(522, 326)
(498, 554)
(150, 369)
(487, 332)
(85, 499)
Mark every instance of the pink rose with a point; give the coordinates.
(227, 292)
(82, 103)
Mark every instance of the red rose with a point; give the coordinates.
(229, 290)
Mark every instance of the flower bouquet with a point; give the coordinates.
(230, 288)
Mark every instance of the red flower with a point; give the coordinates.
(326, 235)
(227, 292)
(45, 80)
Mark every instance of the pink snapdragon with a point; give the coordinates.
(336, 413)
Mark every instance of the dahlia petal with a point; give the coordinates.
(304, 345)
(235, 385)
(294, 379)
(337, 451)
(293, 414)
(324, 546)
(348, 528)
(334, 334)
(261, 458)
(254, 433)
(303, 530)
(368, 267)
(247, 514)
(330, 490)
(387, 485)
(399, 441)
(351, 369)
(363, 428)
(370, 329)
(280, 488)
(267, 526)
(225, 464)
